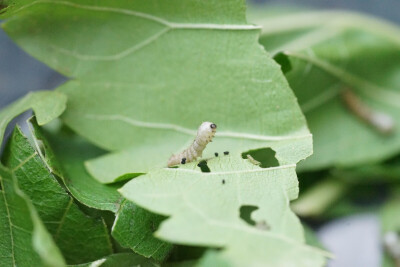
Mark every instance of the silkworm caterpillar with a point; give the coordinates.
(205, 133)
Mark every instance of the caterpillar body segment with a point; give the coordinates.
(205, 133)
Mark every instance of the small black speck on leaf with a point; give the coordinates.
(226, 153)
(223, 181)
(183, 161)
(216, 154)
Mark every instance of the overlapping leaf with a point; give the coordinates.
(147, 73)
(61, 216)
(133, 227)
(24, 241)
(205, 208)
(329, 52)
(46, 105)
(64, 153)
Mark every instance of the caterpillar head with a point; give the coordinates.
(207, 129)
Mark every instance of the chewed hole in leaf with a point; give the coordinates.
(284, 61)
(264, 157)
(245, 213)
(203, 166)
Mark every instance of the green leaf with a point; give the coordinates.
(120, 260)
(64, 154)
(330, 52)
(143, 95)
(73, 231)
(47, 106)
(205, 209)
(134, 228)
(24, 241)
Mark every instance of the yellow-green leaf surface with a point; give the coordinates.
(327, 53)
(208, 209)
(72, 230)
(24, 241)
(147, 73)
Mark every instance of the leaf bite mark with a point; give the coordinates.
(283, 60)
(264, 157)
(245, 214)
(203, 166)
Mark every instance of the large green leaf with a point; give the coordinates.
(73, 231)
(209, 209)
(142, 96)
(47, 106)
(147, 73)
(24, 241)
(329, 52)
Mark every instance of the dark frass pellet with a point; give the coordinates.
(216, 154)
(183, 161)
(226, 153)
(223, 181)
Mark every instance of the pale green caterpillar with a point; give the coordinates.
(205, 133)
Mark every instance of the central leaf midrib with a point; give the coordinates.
(191, 132)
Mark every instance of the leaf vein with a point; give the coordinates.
(63, 219)
(178, 128)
